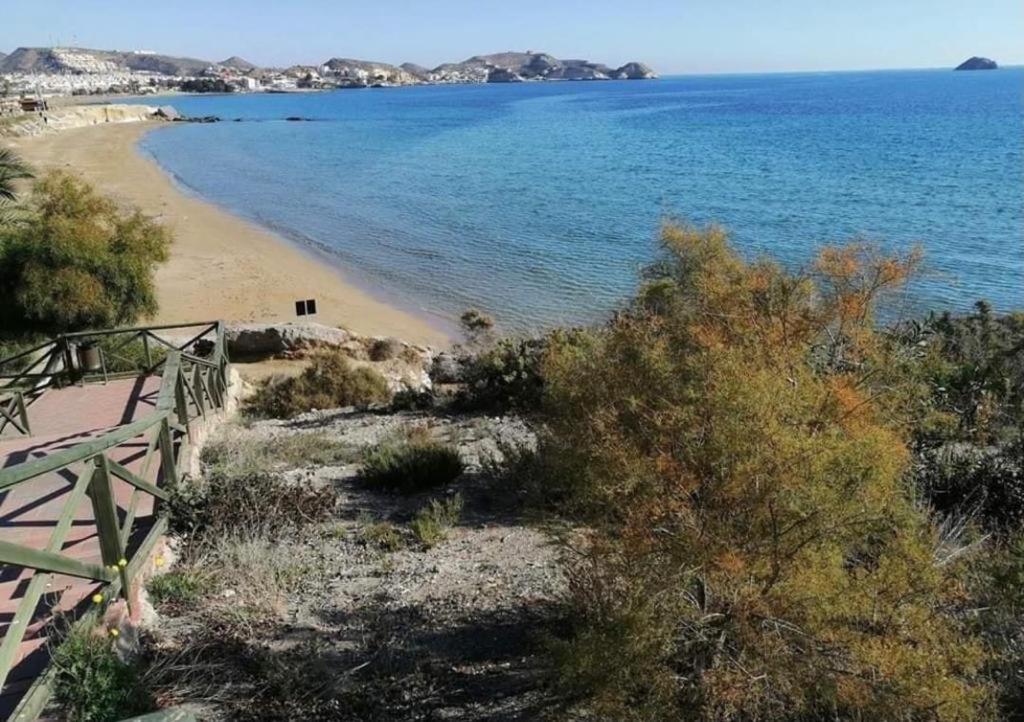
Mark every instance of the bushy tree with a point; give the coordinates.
(737, 440)
(78, 260)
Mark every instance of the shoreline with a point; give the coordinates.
(221, 265)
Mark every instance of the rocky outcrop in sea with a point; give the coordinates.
(977, 63)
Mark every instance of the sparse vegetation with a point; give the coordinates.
(431, 524)
(177, 588)
(248, 502)
(478, 327)
(78, 261)
(331, 381)
(93, 684)
(386, 349)
(381, 535)
(411, 462)
(234, 454)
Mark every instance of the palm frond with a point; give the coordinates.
(12, 168)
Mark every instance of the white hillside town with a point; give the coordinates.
(41, 73)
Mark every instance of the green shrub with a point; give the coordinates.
(386, 349)
(78, 261)
(177, 588)
(382, 535)
(330, 382)
(505, 377)
(92, 683)
(14, 345)
(999, 597)
(969, 443)
(410, 463)
(987, 481)
(431, 524)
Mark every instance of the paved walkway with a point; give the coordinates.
(62, 418)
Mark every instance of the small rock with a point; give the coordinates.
(447, 368)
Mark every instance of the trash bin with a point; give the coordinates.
(89, 357)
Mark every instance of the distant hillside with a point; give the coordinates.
(368, 72)
(516, 67)
(237, 63)
(83, 60)
(508, 67)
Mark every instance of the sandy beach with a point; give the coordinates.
(221, 266)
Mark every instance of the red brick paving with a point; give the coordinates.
(60, 419)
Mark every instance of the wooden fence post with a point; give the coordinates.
(105, 513)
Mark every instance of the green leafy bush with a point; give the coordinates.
(78, 261)
(506, 376)
(431, 524)
(330, 382)
(92, 683)
(410, 463)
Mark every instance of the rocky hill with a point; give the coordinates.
(81, 60)
(517, 67)
(366, 72)
(237, 63)
(977, 63)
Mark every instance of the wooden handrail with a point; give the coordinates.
(189, 387)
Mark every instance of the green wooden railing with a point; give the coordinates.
(194, 380)
(13, 413)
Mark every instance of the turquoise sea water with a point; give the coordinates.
(539, 203)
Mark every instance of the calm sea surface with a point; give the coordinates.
(540, 202)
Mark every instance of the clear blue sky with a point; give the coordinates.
(679, 36)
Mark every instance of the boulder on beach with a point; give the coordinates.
(168, 112)
(977, 63)
(263, 339)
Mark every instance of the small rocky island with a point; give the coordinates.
(977, 63)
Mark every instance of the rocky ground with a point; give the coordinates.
(381, 631)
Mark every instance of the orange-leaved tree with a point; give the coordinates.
(736, 439)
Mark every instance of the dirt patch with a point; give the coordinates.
(380, 632)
